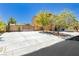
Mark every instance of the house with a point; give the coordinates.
(19, 27)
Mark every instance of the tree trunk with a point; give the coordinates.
(76, 28)
(43, 28)
(58, 29)
(58, 32)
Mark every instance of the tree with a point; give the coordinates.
(43, 19)
(75, 25)
(2, 26)
(58, 23)
(72, 21)
(63, 20)
(10, 21)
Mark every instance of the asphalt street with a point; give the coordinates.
(64, 48)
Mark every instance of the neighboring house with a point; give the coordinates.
(27, 27)
(20, 27)
(35, 25)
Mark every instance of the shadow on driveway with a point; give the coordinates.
(69, 47)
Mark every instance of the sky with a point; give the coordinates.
(24, 12)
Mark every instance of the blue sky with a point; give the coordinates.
(24, 12)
